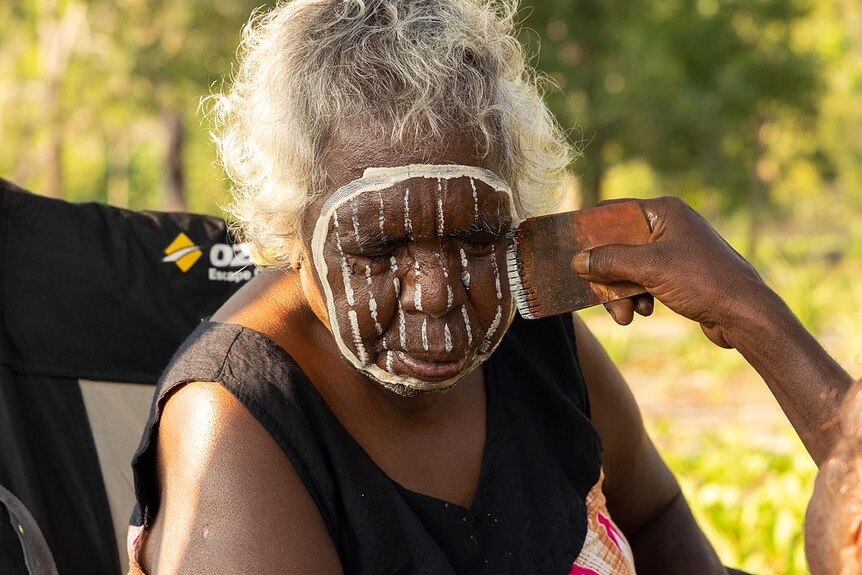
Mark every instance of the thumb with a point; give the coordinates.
(613, 263)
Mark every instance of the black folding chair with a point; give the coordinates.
(89, 294)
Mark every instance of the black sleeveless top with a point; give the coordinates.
(542, 456)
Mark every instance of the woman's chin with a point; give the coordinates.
(400, 371)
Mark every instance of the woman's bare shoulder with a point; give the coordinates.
(230, 500)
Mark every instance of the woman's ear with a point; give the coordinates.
(296, 256)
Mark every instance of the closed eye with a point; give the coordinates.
(478, 247)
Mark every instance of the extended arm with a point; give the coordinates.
(693, 271)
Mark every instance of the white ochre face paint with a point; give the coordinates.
(410, 262)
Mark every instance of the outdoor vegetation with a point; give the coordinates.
(751, 110)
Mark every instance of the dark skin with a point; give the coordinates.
(694, 271)
(230, 497)
(737, 310)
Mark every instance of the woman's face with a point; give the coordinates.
(411, 263)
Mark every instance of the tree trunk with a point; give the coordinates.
(54, 163)
(117, 170)
(57, 37)
(591, 178)
(758, 192)
(175, 176)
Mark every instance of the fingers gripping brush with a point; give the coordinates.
(541, 251)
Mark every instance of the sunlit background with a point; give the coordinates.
(751, 110)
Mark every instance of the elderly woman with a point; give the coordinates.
(370, 404)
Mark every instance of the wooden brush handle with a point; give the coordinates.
(545, 246)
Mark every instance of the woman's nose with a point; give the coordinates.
(432, 286)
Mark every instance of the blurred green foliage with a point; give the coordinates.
(749, 109)
(750, 499)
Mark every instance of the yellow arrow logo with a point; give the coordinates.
(182, 252)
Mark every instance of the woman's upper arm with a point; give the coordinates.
(230, 500)
(638, 484)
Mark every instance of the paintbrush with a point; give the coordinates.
(541, 251)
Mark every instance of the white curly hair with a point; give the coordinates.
(419, 67)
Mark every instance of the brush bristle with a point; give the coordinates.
(526, 299)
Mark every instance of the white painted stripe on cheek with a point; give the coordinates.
(496, 272)
(495, 325)
(467, 325)
(447, 336)
(417, 296)
(389, 361)
(417, 291)
(465, 275)
(450, 297)
(425, 334)
(357, 338)
(372, 303)
(345, 268)
(402, 327)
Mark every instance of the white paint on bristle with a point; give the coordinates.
(467, 325)
(465, 275)
(515, 283)
(357, 337)
(425, 334)
(447, 337)
(345, 268)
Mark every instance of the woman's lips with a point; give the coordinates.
(425, 370)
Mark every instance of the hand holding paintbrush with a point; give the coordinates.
(685, 264)
(621, 250)
(543, 249)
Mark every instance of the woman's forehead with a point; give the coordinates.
(425, 208)
(442, 197)
(431, 179)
